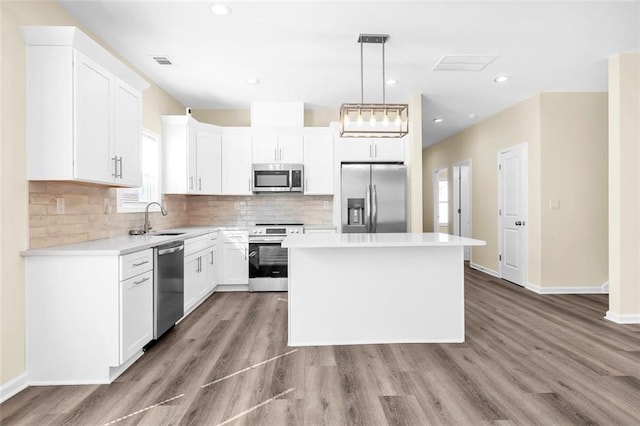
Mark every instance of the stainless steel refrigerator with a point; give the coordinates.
(374, 198)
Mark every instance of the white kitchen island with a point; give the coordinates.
(376, 288)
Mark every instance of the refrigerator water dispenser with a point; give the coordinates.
(355, 208)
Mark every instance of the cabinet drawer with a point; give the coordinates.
(135, 263)
(194, 245)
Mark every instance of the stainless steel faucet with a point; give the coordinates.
(147, 225)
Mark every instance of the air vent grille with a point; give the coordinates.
(162, 60)
(464, 62)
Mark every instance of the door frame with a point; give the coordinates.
(525, 198)
(436, 197)
(456, 202)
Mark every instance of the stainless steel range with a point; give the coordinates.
(268, 270)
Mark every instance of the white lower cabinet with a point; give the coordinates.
(235, 257)
(88, 316)
(136, 314)
(200, 271)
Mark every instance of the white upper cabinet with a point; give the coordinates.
(318, 165)
(236, 167)
(278, 148)
(208, 163)
(370, 149)
(192, 156)
(84, 110)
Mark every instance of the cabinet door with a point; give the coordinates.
(128, 134)
(211, 268)
(354, 149)
(191, 280)
(192, 159)
(236, 164)
(265, 149)
(235, 268)
(136, 314)
(388, 149)
(290, 149)
(209, 163)
(93, 88)
(318, 164)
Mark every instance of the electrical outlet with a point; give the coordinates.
(554, 204)
(325, 204)
(60, 205)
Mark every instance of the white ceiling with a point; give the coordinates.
(308, 51)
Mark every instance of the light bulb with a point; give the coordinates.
(360, 119)
(398, 120)
(372, 120)
(347, 120)
(385, 120)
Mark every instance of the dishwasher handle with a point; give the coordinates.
(170, 248)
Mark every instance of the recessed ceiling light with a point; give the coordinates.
(252, 80)
(391, 82)
(501, 78)
(220, 9)
(438, 120)
(472, 115)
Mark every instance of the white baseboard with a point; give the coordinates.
(483, 269)
(603, 289)
(232, 287)
(13, 387)
(623, 319)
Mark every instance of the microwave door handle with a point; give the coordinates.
(290, 179)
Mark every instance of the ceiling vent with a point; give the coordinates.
(162, 60)
(464, 62)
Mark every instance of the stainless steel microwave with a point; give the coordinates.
(275, 177)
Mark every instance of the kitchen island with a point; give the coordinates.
(376, 288)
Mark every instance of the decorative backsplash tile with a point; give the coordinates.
(90, 212)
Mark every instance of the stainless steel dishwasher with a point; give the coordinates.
(168, 288)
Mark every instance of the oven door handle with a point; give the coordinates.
(275, 240)
(253, 253)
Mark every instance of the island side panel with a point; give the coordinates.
(341, 296)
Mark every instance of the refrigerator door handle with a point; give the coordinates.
(374, 210)
(367, 210)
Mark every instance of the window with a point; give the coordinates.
(443, 199)
(136, 199)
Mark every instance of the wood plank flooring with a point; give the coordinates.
(528, 359)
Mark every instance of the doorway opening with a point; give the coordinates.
(462, 202)
(441, 200)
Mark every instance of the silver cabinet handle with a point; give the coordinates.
(370, 151)
(249, 184)
(306, 185)
(141, 263)
(375, 151)
(280, 155)
(211, 258)
(275, 154)
(199, 184)
(141, 281)
(120, 160)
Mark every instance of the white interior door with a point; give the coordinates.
(440, 201)
(462, 203)
(512, 172)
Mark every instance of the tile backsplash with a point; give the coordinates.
(260, 208)
(90, 212)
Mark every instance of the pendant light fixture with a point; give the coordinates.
(367, 120)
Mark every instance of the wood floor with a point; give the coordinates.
(528, 359)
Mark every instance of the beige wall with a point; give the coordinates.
(14, 213)
(574, 171)
(242, 117)
(480, 144)
(566, 136)
(624, 188)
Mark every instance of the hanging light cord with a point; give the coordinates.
(361, 72)
(384, 91)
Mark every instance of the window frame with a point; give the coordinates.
(140, 206)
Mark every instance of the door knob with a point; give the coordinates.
(518, 223)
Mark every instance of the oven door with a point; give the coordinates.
(267, 259)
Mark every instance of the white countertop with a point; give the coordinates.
(377, 240)
(120, 245)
